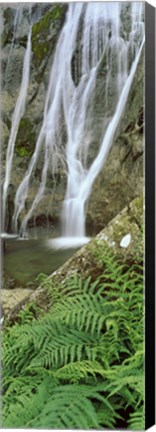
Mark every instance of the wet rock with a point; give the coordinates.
(4, 131)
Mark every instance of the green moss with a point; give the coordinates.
(136, 210)
(26, 138)
(22, 151)
(42, 35)
(44, 24)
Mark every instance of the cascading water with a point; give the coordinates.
(92, 32)
(17, 115)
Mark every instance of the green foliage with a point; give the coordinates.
(29, 313)
(137, 420)
(81, 365)
(41, 277)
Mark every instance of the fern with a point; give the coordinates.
(59, 407)
(137, 420)
(76, 371)
(81, 364)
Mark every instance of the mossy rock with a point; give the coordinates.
(44, 32)
(26, 138)
(4, 131)
(8, 19)
(135, 105)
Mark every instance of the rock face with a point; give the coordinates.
(11, 298)
(121, 180)
(124, 238)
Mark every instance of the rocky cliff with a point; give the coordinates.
(121, 179)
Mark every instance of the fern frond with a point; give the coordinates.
(137, 420)
(75, 371)
(66, 346)
(26, 406)
(71, 405)
(127, 380)
(58, 407)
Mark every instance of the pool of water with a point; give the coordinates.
(24, 260)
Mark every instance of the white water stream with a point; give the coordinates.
(68, 100)
(17, 115)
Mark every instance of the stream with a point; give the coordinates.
(24, 260)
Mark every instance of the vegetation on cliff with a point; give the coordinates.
(81, 364)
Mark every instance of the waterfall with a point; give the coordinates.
(91, 32)
(17, 115)
(98, 163)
